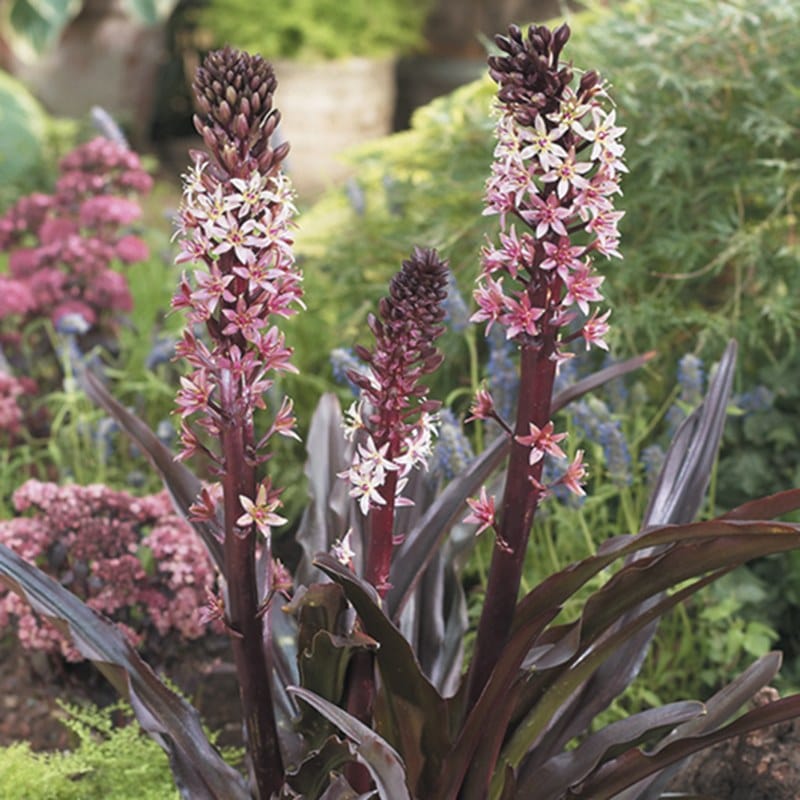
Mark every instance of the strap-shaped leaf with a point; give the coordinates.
(712, 547)
(474, 754)
(379, 757)
(181, 483)
(329, 513)
(417, 721)
(634, 765)
(676, 498)
(199, 770)
(554, 777)
(721, 707)
(775, 505)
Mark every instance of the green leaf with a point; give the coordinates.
(200, 772)
(22, 130)
(151, 12)
(34, 24)
(382, 761)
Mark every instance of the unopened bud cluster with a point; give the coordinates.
(394, 413)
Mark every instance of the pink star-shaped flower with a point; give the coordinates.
(541, 441)
(483, 513)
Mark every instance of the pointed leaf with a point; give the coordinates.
(182, 484)
(598, 379)
(569, 768)
(775, 505)
(312, 775)
(677, 498)
(482, 734)
(199, 770)
(722, 706)
(417, 722)
(382, 761)
(329, 513)
(340, 789)
(682, 482)
(644, 577)
(635, 765)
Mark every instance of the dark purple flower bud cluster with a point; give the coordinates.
(393, 420)
(131, 558)
(233, 92)
(63, 247)
(393, 408)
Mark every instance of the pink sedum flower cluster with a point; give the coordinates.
(63, 247)
(133, 559)
(13, 390)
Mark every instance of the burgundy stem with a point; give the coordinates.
(243, 619)
(381, 537)
(520, 500)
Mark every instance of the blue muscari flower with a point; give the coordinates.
(343, 359)
(691, 378)
(616, 391)
(594, 419)
(107, 126)
(162, 352)
(758, 399)
(72, 324)
(102, 434)
(165, 432)
(615, 451)
(457, 313)
(453, 452)
(502, 373)
(652, 459)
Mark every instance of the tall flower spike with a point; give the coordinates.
(395, 417)
(557, 168)
(235, 228)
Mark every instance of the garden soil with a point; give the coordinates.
(764, 765)
(32, 683)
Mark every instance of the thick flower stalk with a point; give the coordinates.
(234, 227)
(556, 171)
(393, 421)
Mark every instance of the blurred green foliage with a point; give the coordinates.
(708, 92)
(30, 141)
(111, 760)
(314, 29)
